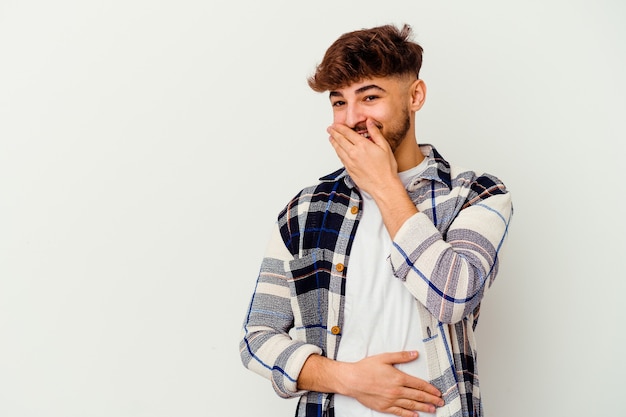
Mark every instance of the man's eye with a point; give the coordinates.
(338, 103)
(370, 98)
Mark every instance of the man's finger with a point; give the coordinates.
(400, 357)
(339, 135)
(413, 405)
(425, 392)
(349, 134)
(375, 134)
(411, 381)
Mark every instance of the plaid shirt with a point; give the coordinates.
(446, 255)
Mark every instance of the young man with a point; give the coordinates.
(387, 257)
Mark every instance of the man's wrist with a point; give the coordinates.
(395, 207)
(322, 374)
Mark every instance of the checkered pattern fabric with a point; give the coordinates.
(446, 255)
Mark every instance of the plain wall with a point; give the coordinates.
(147, 146)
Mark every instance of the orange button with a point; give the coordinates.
(335, 330)
(339, 267)
(354, 209)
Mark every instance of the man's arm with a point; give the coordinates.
(374, 381)
(373, 167)
(295, 367)
(266, 347)
(448, 275)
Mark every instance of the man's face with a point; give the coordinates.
(384, 100)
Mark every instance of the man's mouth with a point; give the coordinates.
(361, 129)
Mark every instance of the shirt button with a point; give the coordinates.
(339, 267)
(335, 330)
(354, 209)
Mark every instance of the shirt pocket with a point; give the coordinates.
(314, 282)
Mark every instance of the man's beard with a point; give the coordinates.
(394, 134)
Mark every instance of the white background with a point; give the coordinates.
(147, 146)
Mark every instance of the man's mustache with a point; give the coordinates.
(362, 127)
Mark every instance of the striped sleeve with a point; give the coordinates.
(449, 271)
(266, 347)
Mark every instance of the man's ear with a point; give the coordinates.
(418, 94)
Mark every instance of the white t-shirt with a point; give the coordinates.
(380, 314)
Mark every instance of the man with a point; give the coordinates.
(370, 288)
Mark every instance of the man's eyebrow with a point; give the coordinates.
(369, 87)
(359, 90)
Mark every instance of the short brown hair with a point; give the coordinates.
(377, 52)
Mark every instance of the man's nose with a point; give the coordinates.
(354, 116)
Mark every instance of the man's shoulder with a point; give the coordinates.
(476, 181)
(334, 188)
(315, 210)
(458, 176)
(332, 183)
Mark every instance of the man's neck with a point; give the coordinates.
(408, 155)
